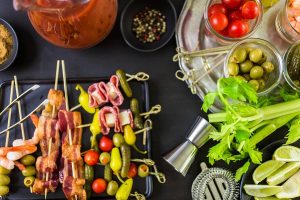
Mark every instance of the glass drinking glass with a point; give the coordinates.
(272, 55)
(284, 26)
(223, 40)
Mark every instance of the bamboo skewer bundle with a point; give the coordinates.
(53, 115)
(67, 108)
(20, 112)
(9, 112)
(19, 108)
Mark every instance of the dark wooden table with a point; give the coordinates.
(37, 59)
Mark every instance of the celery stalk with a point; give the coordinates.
(270, 128)
(266, 113)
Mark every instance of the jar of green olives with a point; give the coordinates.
(256, 61)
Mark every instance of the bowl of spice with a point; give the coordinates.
(8, 45)
(148, 25)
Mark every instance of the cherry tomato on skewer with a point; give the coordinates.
(99, 185)
(91, 157)
(105, 144)
(132, 172)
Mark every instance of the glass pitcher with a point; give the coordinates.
(71, 23)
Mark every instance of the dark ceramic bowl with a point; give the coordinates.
(132, 8)
(14, 51)
(267, 155)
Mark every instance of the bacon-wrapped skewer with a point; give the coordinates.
(47, 133)
(72, 167)
(72, 178)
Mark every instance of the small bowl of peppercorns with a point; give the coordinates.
(148, 25)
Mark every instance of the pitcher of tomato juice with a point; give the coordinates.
(72, 24)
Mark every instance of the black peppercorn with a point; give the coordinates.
(148, 25)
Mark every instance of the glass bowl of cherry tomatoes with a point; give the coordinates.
(229, 21)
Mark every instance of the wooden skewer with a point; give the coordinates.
(9, 118)
(26, 117)
(53, 115)
(20, 113)
(19, 108)
(67, 108)
(9, 112)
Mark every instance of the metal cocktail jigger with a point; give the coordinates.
(182, 156)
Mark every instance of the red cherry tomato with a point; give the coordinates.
(231, 4)
(224, 32)
(250, 10)
(217, 8)
(218, 21)
(132, 172)
(91, 157)
(105, 144)
(99, 185)
(238, 28)
(235, 15)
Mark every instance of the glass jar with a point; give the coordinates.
(287, 77)
(284, 27)
(71, 23)
(272, 55)
(223, 40)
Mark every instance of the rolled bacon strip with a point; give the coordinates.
(97, 95)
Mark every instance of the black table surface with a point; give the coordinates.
(37, 60)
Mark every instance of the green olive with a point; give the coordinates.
(4, 180)
(239, 55)
(143, 170)
(241, 77)
(29, 181)
(112, 188)
(248, 49)
(263, 59)
(262, 84)
(4, 190)
(118, 139)
(256, 72)
(246, 66)
(29, 171)
(255, 84)
(4, 171)
(28, 160)
(247, 77)
(256, 55)
(268, 67)
(233, 69)
(104, 158)
(231, 59)
(296, 82)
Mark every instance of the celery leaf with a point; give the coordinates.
(294, 134)
(242, 170)
(209, 100)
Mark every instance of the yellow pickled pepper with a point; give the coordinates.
(84, 100)
(124, 191)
